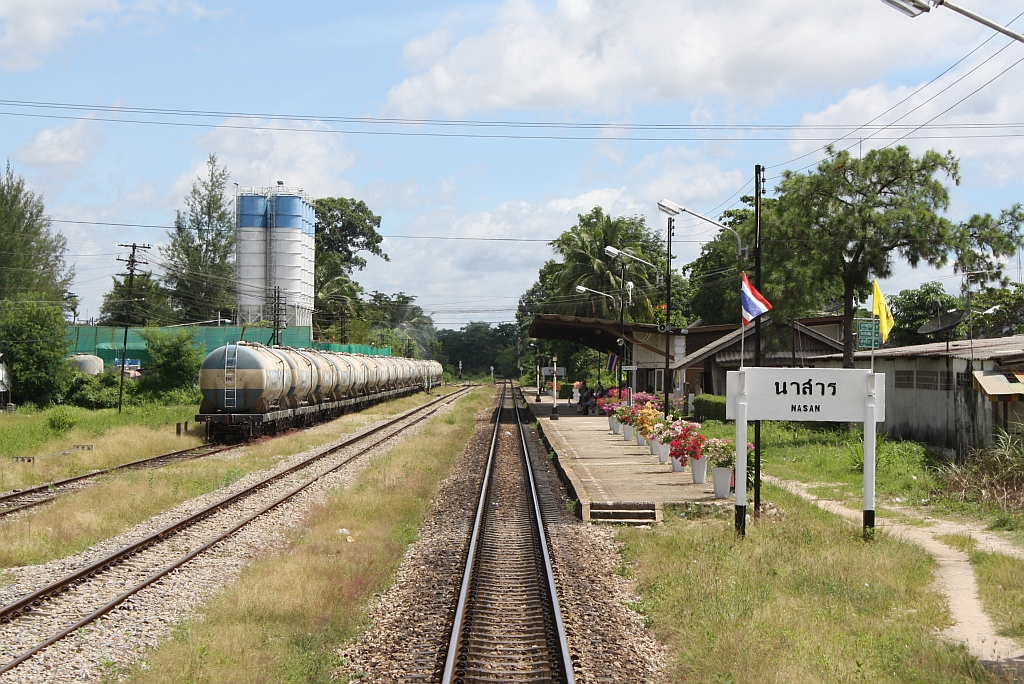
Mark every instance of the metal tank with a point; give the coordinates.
(245, 378)
(86, 363)
(251, 256)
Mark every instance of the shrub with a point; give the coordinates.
(100, 391)
(61, 419)
(708, 407)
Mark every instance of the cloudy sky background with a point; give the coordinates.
(725, 68)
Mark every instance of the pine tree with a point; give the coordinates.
(198, 261)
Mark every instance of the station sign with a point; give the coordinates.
(629, 368)
(545, 371)
(805, 394)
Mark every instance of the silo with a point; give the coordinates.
(289, 255)
(251, 256)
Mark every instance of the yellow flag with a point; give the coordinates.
(880, 308)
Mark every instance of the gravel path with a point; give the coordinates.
(412, 621)
(954, 578)
(121, 636)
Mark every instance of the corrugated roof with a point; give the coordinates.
(983, 350)
(999, 386)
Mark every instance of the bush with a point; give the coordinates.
(175, 356)
(61, 419)
(708, 407)
(100, 391)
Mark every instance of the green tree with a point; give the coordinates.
(347, 227)
(1002, 311)
(337, 300)
(33, 255)
(479, 346)
(585, 262)
(849, 220)
(34, 345)
(199, 270)
(913, 308)
(406, 321)
(175, 358)
(148, 298)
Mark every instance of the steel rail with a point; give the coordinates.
(467, 575)
(25, 603)
(549, 574)
(449, 675)
(154, 577)
(142, 462)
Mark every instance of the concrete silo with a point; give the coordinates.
(275, 254)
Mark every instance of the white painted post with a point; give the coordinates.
(869, 457)
(741, 453)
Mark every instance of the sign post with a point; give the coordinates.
(554, 387)
(806, 394)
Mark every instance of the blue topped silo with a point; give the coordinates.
(252, 211)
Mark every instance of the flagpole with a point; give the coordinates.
(742, 326)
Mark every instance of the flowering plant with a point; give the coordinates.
(646, 417)
(661, 430)
(610, 402)
(722, 452)
(645, 398)
(624, 414)
(687, 443)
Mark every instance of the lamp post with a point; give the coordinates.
(581, 289)
(915, 8)
(614, 252)
(672, 209)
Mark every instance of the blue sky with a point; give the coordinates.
(760, 62)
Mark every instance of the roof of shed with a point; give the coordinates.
(996, 349)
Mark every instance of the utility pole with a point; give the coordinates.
(758, 189)
(344, 326)
(133, 263)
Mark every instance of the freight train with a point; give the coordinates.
(250, 389)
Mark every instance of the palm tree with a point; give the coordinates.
(585, 262)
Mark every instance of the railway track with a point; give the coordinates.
(39, 619)
(21, 499)
(507, 625)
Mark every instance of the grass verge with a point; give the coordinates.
(80, 519)
(139, 432)
(287, 614)
(1001, 587)
(801, 599)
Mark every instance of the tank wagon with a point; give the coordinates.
(250, 389)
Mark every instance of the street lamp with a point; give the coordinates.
(740, 249)
(613, 252)
(915, 8)
(672, 209)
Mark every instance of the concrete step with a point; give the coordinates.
(626, 513)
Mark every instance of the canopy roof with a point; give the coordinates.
(597, 333)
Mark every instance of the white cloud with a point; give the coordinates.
(63, 150)
(32, 29)
(967, 129)
(312, 158)
(611, 55)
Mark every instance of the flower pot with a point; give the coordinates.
(721, 477)
(653, 444)
(663, 452)
(677, 465)
(614, 425)
(699, 466)
(627, 432)
(640, 441)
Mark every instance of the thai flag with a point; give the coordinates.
(752, 302)
(610, 364)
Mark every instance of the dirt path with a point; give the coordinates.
(954, 577)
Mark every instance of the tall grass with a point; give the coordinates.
(992, 477)
(801, 599)
(78, 520)
(283, 620)
(117, 438)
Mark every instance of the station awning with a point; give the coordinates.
(598, 333)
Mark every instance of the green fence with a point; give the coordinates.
(106, 342)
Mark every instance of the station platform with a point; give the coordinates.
(613, 480)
